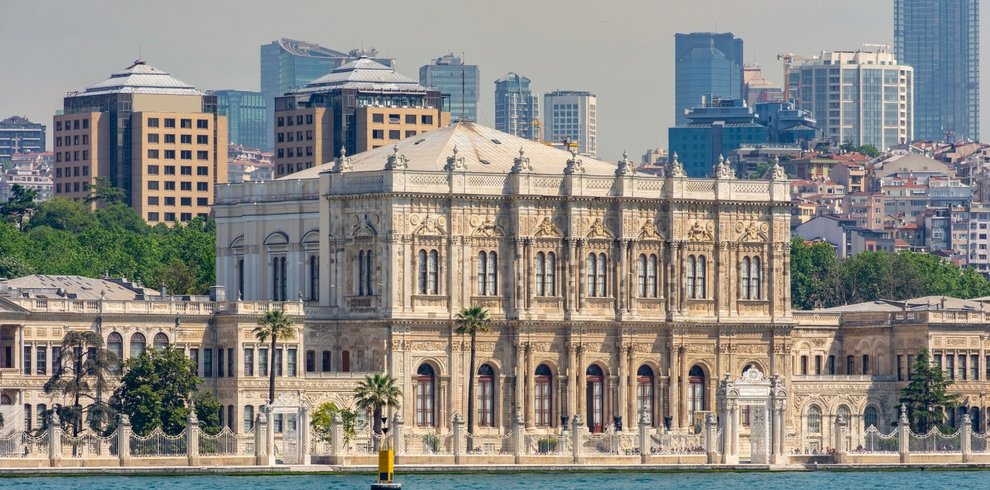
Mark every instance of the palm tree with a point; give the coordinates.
(374, 393)
(471, 321)
(276, 325)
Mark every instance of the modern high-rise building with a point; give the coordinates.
(757, 89)
(940, 40)
(716, 127)
(706, 64)
(458, 83)
(574, 116)
(246, 113)
(860, 97)
(18, 135)
(517, 108)
(288, 64)
(358, 106)
(153, 136)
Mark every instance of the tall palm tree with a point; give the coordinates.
(471, 321)
(274, 324)
(374, 393)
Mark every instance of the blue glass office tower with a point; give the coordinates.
(517, 108)
(459, 84)
(940, 39)
(246, 117)
(706, 64)
(288, 64)
(716, 127)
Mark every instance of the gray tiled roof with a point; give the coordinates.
(366, 74)
(75, 287)
(141, 78)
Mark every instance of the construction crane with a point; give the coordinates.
(789, 60)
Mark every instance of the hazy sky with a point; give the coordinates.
(620, 50)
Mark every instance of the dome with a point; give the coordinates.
(142, 78)
(363, 74)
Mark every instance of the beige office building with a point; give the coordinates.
(157, 138)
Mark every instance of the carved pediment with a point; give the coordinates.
(650, 232)
(432, 225)
(700, 232)
(752, 231)
(489, 228)
(547, 229)
(598, 230)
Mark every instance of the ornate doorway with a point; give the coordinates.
(764, 400)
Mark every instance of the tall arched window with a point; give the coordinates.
(28, 420)
(844, 413)
(487, 274)
(595, 397)
(248, 418)
(700, 291)
(422, 271)
(428, 275)
(600, 279)
(551, 269)
(362, 273)
(652, 272)
(689, 274)
(871, 418)
(755, 274)
(425, 389)
(115, 344)
(240, 279)
(486, 396)
(544, 396)
(540, 273)
(815, 420)
(369, 273)
(744, 284)
(314, 277)
(641, 275)
(279, 286)
(696, 391)
(644, 392)
(592, 260)
(160, 341)
(138, 342)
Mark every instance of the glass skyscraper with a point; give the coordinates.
(246, 117)
(18, 135)
(459, 84)
(706, 64)
(940, 39)
(517, 108)
(288, 64)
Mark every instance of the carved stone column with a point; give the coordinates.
(582, 383)
(683, 395)
(530, 388)
(623, 408)
(572, 370)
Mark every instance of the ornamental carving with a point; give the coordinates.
(598, 229)
(701, 232)
(752, 232)
(489, 228)
(818, 342)
(699, 349)
(547, 229)
(432, 225)
(428, 346)
(363, 227)
(750, 349)
(650, 232)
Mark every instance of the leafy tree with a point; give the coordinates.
(814, 274)
(155, 389)
(20, 204)
(324, 416)
(104, 192)
(208, 412)
(868, 150)
(12, 266)
(925, 395)
(63, 214)
(374, 393)
(472, 321)
(274, 324)
(82, 370)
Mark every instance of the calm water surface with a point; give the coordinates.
(532, 481)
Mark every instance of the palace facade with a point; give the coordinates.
(612, 293)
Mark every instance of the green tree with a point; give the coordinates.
(472, 321)
(12, 266)
(324, 416)
(82, 370)
(208, 411)
(814, 275)
(868, 150)
(63, 214)
(374, 393)
(925, 396)
(19, 206)
(155, 389)
(274, 324)
(104, 192)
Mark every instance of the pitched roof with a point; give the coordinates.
(483, 149)
(364, 73)
(75, 287)
(142, 78)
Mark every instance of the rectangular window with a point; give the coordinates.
(207, 358)
(185, 170)
(220, 364)
(153, 217)
(394, 134)
(185, 139)
(950, 366)
(378, 118)
(248, 362)
(153, 154)
(230, 362)
(428, 119)
(326, 362)
(152, 137)
(818, 365)
(185, 186)
(203, 170)
(410, 119)
(186, 123)
(974, 368)
(170, 138)
(186, 154)
(194, 356)
(900, 367)
(152, 200)
(291, 361)
(866, 364)
(263, 361)
(831, 365)
(170, 217)
(152, 122)
(169, 201)
(169, 169)
(203, 123)
(202, 155)
(377, 134)
(185, 201)
(170, 154)
(202, 186)
(170, 185)
(202, 139)
(152, 185)
(202, 201)
(153, 169)
(186, 217)
(278, 362)
(42, 360)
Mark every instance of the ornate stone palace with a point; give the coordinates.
(612, 293)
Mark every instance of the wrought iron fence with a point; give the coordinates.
(223, 443)
(934, 442)
(158, 444)
(875, 442)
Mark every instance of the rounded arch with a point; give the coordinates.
(311, 237)
(277, 238)
(493, 362)
(600, 364)
(138, 344)
(486, 369)
(813, 418)
(554, 368)
(645, 370)
(871, 417)
(435, 364)
(757, 363)
(593, 369)
(237, 242)
(653, 364)
(706, 370)
(160, 341)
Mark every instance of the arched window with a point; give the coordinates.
(540, 273)
(595, 397)
(425, 396)
(310, 361)
(689, 274)
(754, 279)
(248, 418)
(551, 269)
(844, 413)
(744, 284)
(327, 367)
(115, 344)
(596, 275)
(600, 284)
(699, 284)
(592, 260)
(815, 420)
(422, 271)
(652, 273)
(160, 342)
(644, 392)
(43, 414)
(544, 396)
(28, 420)
(314, 277)
(137, 344)
(428, 264)
(486, 396)
(696, 391)
(871, 418)
(240, 279)
(487, 274)
(369, 273)
(279, 282)
(641, 275)
(362, 273)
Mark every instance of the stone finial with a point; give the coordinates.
(397, 418)
(521, 163)
(55, 420)
(341, 163)
(776, 172)
(723, 170)
(625, 166)
(454, 162)
(675, 168)
(904, 415)
(123, 419)
(343, 151)
(193, 419)
(457, 419)
(574, 164)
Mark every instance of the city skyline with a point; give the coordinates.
(632, 45)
